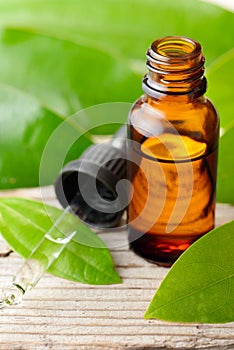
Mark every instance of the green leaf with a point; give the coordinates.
(200, 285)
(75, 55)
(220, 77)
(85, 259)
(26, 124)
(99, 47)
(63, 75)
(220, 80)
(123, 27)
(25, 127)
(225, 184)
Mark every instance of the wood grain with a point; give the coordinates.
(60, 314)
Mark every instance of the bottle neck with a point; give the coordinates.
(176, 67)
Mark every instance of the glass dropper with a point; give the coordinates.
(41, 258)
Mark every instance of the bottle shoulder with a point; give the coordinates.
(174, 110)
(171, 104)
(197, 119)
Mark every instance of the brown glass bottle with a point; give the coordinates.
(173, 141)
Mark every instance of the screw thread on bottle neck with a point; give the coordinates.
(176, 67)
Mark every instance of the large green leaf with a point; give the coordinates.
(75, 54)
(23, 223)
(200, 285)
(124, 27)
(63, 75)
(220, 80)
(87, 54)
(225, 186)
(25, 126)
(60, 85)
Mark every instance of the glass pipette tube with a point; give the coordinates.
(41, 258)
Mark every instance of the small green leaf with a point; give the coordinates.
(225, 185)
(200, 285)
(85, 259)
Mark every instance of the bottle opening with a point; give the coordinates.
(176, 47)
(176, 67)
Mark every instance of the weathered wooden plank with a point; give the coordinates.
(90, 341)
(153, 327)
(60, 314)
(97, 329)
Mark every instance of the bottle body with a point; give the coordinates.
(173, 142)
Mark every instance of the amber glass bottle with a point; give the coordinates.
(172, 147)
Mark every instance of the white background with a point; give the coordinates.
(228, 4)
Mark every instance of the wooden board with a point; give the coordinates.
(59, 314)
